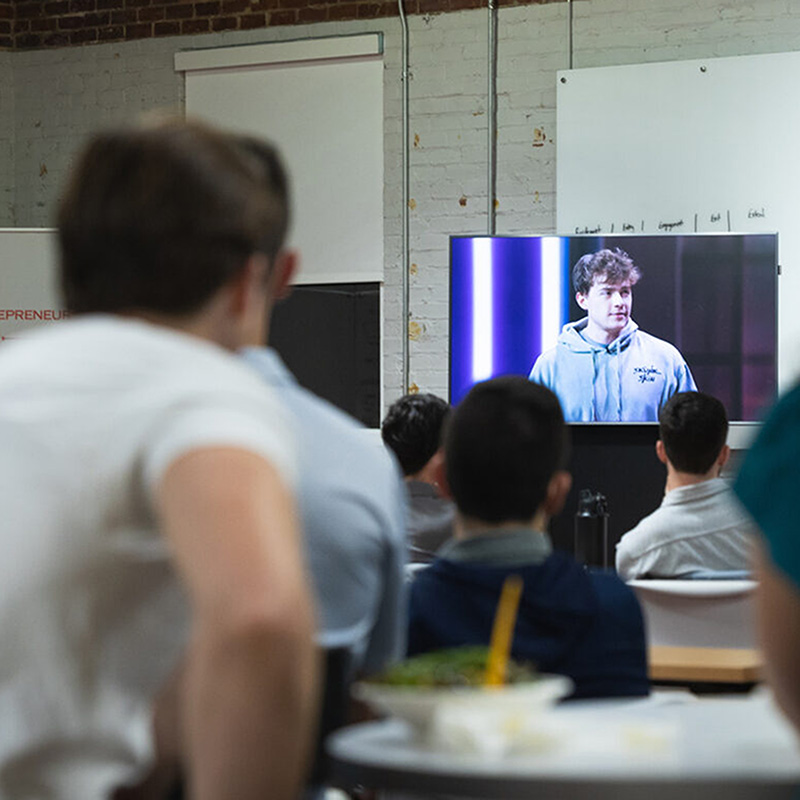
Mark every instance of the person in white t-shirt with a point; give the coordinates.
(148, 525)
(699, 525)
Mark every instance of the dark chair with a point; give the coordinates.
(333, 709)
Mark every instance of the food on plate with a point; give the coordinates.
(458, 666)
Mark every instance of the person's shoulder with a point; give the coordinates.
(544, 361)
(340, 456)
(780, 423)
(614, 596)
(713, 488)
(354, 441)
(163, 365)
(638, 545)
(182, 362)
(308, 406)
(645, 534)
(89, 333)
(551, 352)
(651, 340)
(655, 345)
(430, 581)
(789, 402)
(302, 402)
(318, 415)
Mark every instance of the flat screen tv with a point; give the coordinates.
(678, 312)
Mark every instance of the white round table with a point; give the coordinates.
(730, 748)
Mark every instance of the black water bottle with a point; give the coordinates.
(591, 529)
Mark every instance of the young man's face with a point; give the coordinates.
(608, 306)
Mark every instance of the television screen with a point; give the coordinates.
(617, 324)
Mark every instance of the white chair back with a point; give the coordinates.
(689, 613)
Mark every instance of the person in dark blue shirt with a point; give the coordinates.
(505, 449)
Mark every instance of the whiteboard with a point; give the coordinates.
(321, 102)
(705, 145)
(28, 280)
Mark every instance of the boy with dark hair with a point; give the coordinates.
(505, 451)
(693, 428)
(146, 474)
(699, 525)
(412, 430)
(604, 368)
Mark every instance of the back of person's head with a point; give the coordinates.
(159, 217)
(503, 444)
(693, 427)
(614, 266)
(412, 429)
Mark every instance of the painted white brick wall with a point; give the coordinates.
(63, 95)
(7, 218)
(60, 96)
(449, 157)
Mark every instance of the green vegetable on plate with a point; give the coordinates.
(458, 666)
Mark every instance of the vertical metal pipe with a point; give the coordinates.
(491, 150)
(406, 266)
(569, 30)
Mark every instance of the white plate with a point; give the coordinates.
(420, 707)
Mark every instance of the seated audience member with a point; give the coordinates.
(412, 429)
(768, 486)
(146, 475)
(699, 524)
(505, 450)
(351, 502)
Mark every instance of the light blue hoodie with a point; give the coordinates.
(627, 380)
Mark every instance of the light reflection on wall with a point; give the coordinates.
(550, 290)
(482, 316)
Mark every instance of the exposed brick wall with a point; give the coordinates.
(6, 24)
(7, 121)
(31, 24)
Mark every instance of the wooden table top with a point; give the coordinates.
(712, 664)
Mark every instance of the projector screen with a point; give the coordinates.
(701, 313)
(321, 102)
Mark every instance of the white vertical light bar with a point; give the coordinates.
(481, 309)
(550, 290)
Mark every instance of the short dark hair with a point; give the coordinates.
(412, 429)
(614, 265)
(504, 442)
(160, 216)
(693, 427)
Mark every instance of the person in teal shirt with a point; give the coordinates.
(768, 486)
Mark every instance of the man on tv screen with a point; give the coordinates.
(604, 368)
